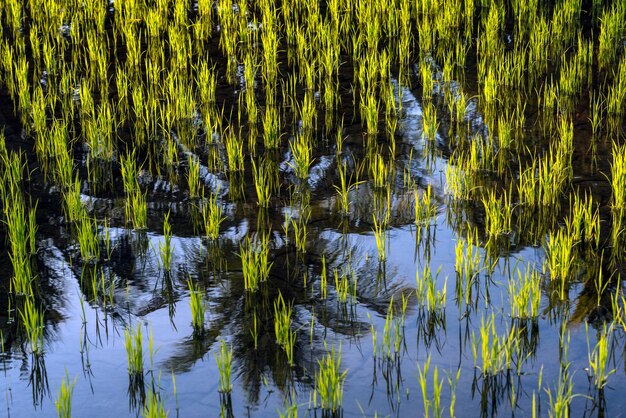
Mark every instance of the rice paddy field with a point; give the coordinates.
(335, 208)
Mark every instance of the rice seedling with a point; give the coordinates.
(460, 185)
(32, 320)
(211, 216)
(151, 350)
(600, 283)
(271, 128)
(153, 406)
(255, 262)
(224, 360)
(599, 357)
(308, 114)
(39, 117)
(560, 259)
(269, 38)
(262, 183)
(170, 158)
(342, 286)
(88, 239)
(206, 82)
(584, 221)
(453, 382)
(559, 401)
(617, 306)
(98, 133)
(344, 188)
(615, 97)
(21, 68)
(101, 287)
(392, 124)
(166, 250)
(428, 297)
(490, 94)
(498, 213)
(525, 293)
(369, 112)
(476, 158)
(618, 182)
(299, 227)
(543, 182)
(496, 352)
(285, 336)
(393, 333)
(323, 279)
(611, 29)
(380, 171)
(20, 224)
(381, 206)
(137, 210)
(380, 236)
(63, 402)
(32, 229)
(129, 171)
(596, 106)
(425, 207)
(329, 381)
(429, 122)
(193, 177)
(302, 154)
(198, 308)
(291, 407)
(234, 151)
(467, 267)
(133, 342)
(435, 401)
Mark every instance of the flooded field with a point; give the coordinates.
(312, 208)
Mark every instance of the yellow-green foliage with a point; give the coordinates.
(254, 91)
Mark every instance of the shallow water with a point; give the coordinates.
(84, 328)
(84, 340)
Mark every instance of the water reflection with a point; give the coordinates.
(37, 378)
(311, 243)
